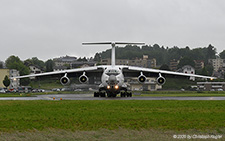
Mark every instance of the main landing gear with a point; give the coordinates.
(103, 94)
(99, 94)
(126, 94)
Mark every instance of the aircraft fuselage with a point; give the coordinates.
(112, 80)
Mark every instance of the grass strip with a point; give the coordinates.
(95, 115)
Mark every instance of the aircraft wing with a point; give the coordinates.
(131, 69)
(87, 69)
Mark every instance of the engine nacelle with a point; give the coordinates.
(160, 80)
(142, 78)
(65, 80)
(83, 78)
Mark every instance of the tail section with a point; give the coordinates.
(113, 44)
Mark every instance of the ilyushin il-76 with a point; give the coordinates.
(112, 80)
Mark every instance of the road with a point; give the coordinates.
(90, 97)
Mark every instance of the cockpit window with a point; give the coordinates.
(112, 72)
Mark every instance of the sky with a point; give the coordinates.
(51, 28)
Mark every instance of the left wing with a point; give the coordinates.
(88, 69)
(127, 69)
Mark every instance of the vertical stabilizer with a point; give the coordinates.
(113, 55)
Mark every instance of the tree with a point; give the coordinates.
(164, 67)
(222, 54)
(35, 62)
(186, 61)
(204, 71)
(1, 65)
(97, 57)
(211, 52)
(14, 62)
(6, 81)
(82, 59)
(49, 64)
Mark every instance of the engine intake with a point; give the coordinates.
(65, 80)
(142, 78)
(160, 80)
(83, 78)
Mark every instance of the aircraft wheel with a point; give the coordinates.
(102, 94)
(122, 94)
(96, 94)
(130, 94)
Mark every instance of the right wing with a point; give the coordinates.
(156, 71)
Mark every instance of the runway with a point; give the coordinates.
(90, 97)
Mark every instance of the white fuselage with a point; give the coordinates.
(112, 79)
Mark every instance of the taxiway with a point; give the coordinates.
(90, 97)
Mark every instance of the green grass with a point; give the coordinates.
(111, 115)
(182, 94)
(46, 84)
(15, 95)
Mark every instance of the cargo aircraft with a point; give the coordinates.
(112, 76)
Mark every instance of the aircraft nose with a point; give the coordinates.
(112, 79)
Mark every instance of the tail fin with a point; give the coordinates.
(113, 44)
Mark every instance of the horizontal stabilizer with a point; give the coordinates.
(113, 44)
(110, 43)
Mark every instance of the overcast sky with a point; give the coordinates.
(52, 28)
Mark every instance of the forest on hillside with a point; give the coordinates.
(162, 54)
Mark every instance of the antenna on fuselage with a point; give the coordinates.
(113, 44)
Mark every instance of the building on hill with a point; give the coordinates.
(10, 73)
(35, 70)
(143, 62)
(173, 64)
(211, 86)
(14, 84)
(217, 63)
(149, 85)
(189, 70)
(220, 73)
(199, 64)
(59, 68)
(3, 73)
(63, 61)
(82, 64)
(2, 65)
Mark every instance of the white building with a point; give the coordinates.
(149, 85)
(66, 60)
(35, 70)
(217, 63)
(14, 83)
(189, 70)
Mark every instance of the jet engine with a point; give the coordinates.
(142, 78)
(160, 80)
(83, 78)
(65, 80)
